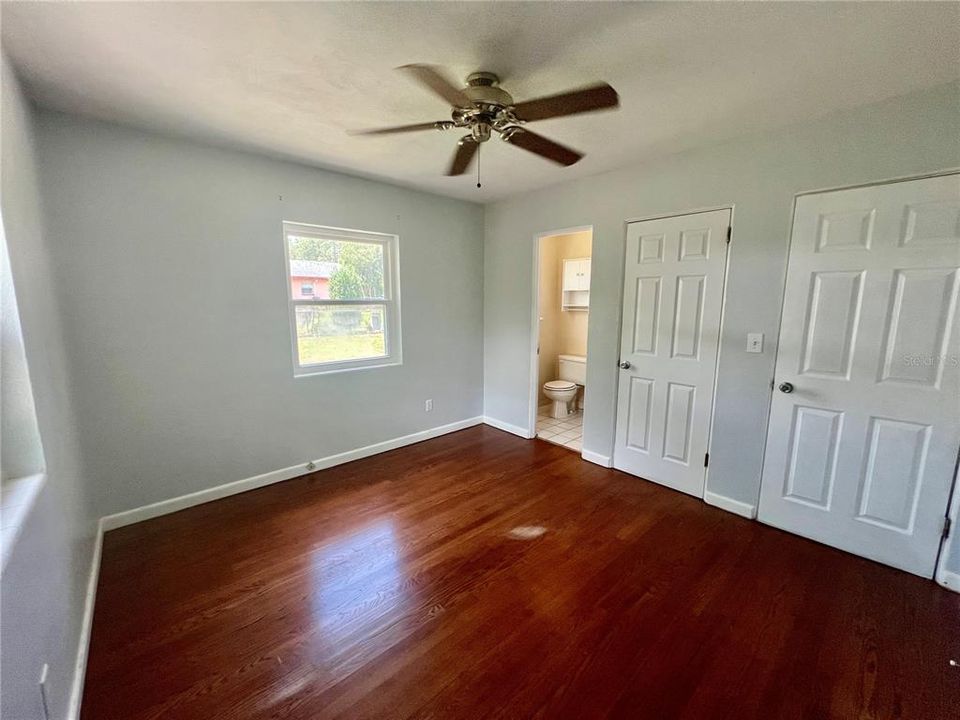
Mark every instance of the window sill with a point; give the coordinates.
(312, 372)
(16, 498)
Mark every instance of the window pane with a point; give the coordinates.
(329, 333)
(336, 269)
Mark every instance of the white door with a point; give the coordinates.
(861, 452)
(672, 296)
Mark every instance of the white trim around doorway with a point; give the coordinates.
(534, 372)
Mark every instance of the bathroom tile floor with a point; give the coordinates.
(567, 432)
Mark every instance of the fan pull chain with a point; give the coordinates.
(478, 164)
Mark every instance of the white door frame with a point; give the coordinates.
(534, 391)
(723, 315)
(941, 575)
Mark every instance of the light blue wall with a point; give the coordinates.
(44, 581)
(171, 273)
(759, 176)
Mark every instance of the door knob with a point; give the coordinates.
(625, 365)
(786, 387)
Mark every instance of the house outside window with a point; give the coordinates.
(311, 278)
(344, 298)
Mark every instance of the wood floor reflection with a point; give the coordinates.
(479, 575)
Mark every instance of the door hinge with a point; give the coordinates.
(706, 459)
(729, 233)
(947, 524)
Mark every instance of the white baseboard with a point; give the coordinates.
(730, 505)
(949, 580)
(83, 644)
(164, 507)
(597, 458)
(507, 427)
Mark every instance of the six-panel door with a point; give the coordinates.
(672, 297)
(861, 454)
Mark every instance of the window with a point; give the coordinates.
(353, 320)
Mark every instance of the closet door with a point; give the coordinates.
(865, 421)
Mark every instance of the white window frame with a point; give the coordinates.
(390, 301)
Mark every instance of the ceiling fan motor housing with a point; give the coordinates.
(483, 109)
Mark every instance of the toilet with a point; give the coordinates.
(571, 373)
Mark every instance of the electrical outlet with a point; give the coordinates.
(428, 405)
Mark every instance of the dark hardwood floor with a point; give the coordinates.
(401, 587)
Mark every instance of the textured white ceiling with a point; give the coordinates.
(290, 79)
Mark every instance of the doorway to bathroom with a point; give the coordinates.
(561, 317)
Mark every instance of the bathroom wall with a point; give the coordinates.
(561, 332)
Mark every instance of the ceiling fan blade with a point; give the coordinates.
(464, 155)
(429, 75)
(540, 145)
(595, 97)
(439, 125)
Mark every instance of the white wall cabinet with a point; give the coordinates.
(576, 274)
(576, 284)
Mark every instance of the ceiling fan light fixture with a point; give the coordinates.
(480, 131)
(483, 108)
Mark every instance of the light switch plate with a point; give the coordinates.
(754, 342)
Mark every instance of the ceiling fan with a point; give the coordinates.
(484, 108)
